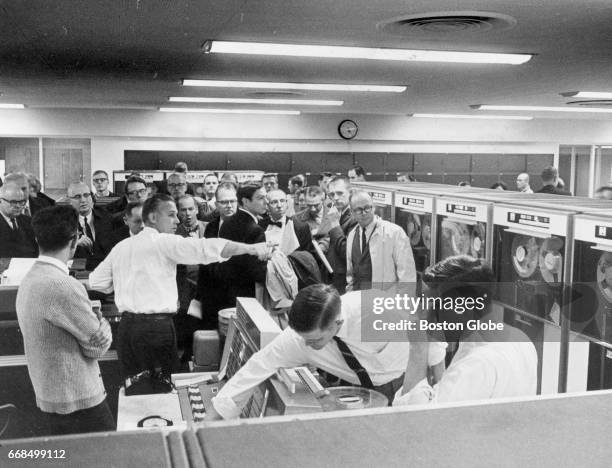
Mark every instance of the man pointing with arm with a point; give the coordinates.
(142, 272)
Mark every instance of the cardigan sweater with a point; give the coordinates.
(57, 322)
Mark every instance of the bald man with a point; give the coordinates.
(285, 231)
(377, 251)
(16, 234)
(522, 183)
(96, 237)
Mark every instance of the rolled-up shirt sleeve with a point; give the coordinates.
(191, 251)
(286, 350)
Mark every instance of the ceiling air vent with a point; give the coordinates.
(592, 103)
(447, 22)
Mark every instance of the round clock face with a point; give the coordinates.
(348, 129)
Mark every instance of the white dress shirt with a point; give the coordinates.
(479, 371)
(142, 269)
(384, 361)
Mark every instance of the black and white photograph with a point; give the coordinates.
(328, 233)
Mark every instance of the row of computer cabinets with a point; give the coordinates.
(552, 256)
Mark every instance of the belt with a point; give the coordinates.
(154, 316)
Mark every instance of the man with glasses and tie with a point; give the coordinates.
(33, 204)
(100, 183)
(16, 234)
(324, 331)
(378, 252)
(95, 226)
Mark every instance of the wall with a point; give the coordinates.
(113, 131)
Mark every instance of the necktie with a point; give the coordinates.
(364, 241)
(353, 363)
(15, 226)
(87, 228)
(26, 211)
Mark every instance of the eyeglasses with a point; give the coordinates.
(360, 211)
(314, 205)
(138, 192)
(177, 185)
(98, 181)
(16, 203)
(227, 202)
(81, 196)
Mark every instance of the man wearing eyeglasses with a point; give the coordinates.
(207, 301)
(16, 234)
(100, 183)
(95, 226)
(135, 191)
(377, 251)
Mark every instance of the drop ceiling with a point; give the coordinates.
(134, 54)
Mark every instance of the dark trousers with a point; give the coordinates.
(95, 419)
(145, 342)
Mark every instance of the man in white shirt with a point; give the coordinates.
(488, 363)
(142, 271)
(323, 328)
(377, 251)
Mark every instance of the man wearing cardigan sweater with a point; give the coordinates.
(63, 337)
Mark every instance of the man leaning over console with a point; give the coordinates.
(324, 327)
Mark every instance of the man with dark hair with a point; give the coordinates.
(324, 331)
(356, 174)
(239, 275)
(135, 190)
(489, 363)
(324, 179)
(145, 289)
(295, 183)
(132, 219)
(338, 223)
(63, 337)
(100, 182)
(269, 181)
(16, 234)
(550, 178)
(96, 237)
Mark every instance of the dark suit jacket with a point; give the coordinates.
(242, 271)
(336, 255)
(37, 204)
(19, 243)
(219, 284)
(104, 242)
(45, 200)
(551, 189)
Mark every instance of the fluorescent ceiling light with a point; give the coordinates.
(12, 106)
(229, 111)
(588, 95)
(309, 86)
(409, 55)
(469, 116)
(598, 110)
(302, 102)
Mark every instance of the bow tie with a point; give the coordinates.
(275, 223)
